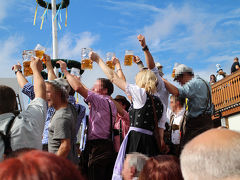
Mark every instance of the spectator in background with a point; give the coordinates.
(122, 122)
(235, 65)
(133, 165)
(38, 165)
(212, 79)
(220, 74)
(162, 167)
(212, 155)
(177, 116)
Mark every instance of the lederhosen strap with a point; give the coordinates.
(209, 99)
(120, 132)
(111, 124)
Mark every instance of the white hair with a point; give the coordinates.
(137, 160)
(208, 162)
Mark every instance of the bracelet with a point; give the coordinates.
(145, 48)
(18, 70)
(118, 69)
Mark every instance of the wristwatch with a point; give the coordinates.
(145, 48)
(18, 70)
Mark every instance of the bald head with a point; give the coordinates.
(213, 154)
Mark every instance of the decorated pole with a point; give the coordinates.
(56, 8)
(54, 31)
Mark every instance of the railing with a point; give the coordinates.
(226, 94)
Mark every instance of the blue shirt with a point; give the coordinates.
(197, 93)
(28, 89)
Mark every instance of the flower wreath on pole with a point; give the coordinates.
(63, 4)
(70, 64)
(48, 6)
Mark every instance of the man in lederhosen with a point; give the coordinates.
(198, 93)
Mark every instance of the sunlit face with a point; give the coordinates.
(51, 95)
(183, 79)
(172, 104)
(98, 88)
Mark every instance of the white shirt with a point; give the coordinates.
(176, 120)
(27, 128)
(162, 93)
(139, 98)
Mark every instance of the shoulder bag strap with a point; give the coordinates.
(157, 136)
(6, 138)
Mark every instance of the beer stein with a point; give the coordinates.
(128, 59)
(86, 62)
(39, 51)
(26, 55)
(109, 61)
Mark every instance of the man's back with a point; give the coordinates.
(27, 127)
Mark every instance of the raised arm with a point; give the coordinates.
(39, 84)
(111, 75)
(138, 61)
(20, 77)
(119, 69)
(148, 55)
(171, 88)
(51, 74)
(73, 81)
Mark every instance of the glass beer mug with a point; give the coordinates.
(26, 55)
(128, 59)
(109, 61)
(86, 62)
(39, 51)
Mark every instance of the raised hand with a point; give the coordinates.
(94, 56)
(136, 59)
(141, 39)
(63, 66)
(115, 61)
(16, 67)
(47, 59)
(36, 64)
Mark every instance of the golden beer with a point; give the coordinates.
(86, 64)
(27, 69)
(110, 65)
(173, 73)
(39, 53)
(128, 60)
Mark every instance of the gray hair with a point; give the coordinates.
(137, 160)
(204, 161)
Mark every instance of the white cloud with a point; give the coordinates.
(233, 22)
(126, 5)
(70, 44)
(9, 48)
(4, 9)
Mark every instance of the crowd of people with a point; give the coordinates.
(221, 74)
(137, 136)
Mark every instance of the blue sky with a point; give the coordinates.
(197, 33)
